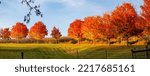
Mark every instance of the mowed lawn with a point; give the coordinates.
(66, 51)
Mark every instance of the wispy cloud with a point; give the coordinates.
(69, 3)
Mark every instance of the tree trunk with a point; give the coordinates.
(127, 41)
(57, 41)
(17, 40)
(119, 40)
(93, 42)
(78, 41)
(109, 41)
(37, 41)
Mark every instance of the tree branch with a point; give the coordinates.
(36, 8)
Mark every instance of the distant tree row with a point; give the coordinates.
(123, 22)
(38, 31)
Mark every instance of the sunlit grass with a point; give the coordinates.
(66, 51)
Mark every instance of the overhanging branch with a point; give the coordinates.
(32, 7)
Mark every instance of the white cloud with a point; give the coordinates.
(75, 5)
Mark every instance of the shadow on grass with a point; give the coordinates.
(94, 52)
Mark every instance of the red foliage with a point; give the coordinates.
(109, 29)
(38, 31)
(56, 33)
(146, 11)
(146, 16)
(92, 27)
(74, 30)
(124, 17)
(5, 33)
(19, 31)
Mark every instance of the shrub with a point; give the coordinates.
(73, 41)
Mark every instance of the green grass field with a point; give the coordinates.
(65, 51)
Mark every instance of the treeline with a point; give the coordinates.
(48, 40)
(122, 23)
(20, 31)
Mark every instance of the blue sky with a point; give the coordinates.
(59, 13)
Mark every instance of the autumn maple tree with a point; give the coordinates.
(124, 17)
(109, 30)
(74, 30)
(55, 33)
(5, 33)
(38, 31)
(1, 31)
(19, 31)
(146, 15)
(146, 11)
(92, 28)
(140, 25)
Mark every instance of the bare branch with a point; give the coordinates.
(35, 8)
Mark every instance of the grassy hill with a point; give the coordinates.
(65, 51)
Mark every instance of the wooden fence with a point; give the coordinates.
(140, 51)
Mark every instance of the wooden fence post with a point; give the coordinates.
(145, 51)
(132, 53)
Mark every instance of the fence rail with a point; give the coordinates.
(138, 51)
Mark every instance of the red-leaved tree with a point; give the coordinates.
(5, 33)
(124, 17)
(19, 31)
(109, 30)
(74, 30)
(1, 31)
(38, 31)
(146, 15)
(92, 28)
(55, 33)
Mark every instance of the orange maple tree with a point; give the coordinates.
(1, 31)
(74, 30)
(19, 31)
(109, 30)
(92, 28)
(38, 31)
(146, 15)
(146, 11)
(56, 33)
(124, 17)
(140, 25)
(5, 33)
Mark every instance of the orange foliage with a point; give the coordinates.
(38, 31)
(146, 11)
(5, 33)
(140, 25)
(124, 17)
(146, 16)
(92, 27)
(74, 30)
(19, 31)
(109, 30)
